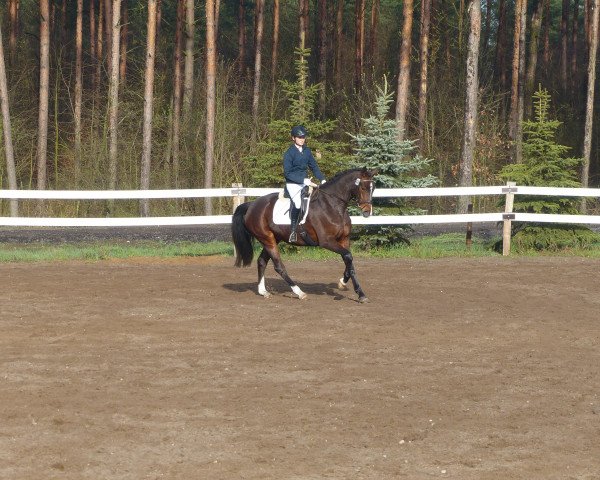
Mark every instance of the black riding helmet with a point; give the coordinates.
(299, 131)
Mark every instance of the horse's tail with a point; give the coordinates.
(242, 239)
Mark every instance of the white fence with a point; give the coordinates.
(239, 194)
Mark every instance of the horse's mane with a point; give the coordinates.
(341, 174)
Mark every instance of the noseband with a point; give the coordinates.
(370, 201)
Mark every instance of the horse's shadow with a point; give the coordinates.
(279, 287)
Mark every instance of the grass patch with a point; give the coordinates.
(441, 246)
(104, 251)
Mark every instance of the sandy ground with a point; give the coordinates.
(458, 368)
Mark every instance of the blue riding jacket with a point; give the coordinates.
(296, 165)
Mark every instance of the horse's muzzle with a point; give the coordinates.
(366, 213)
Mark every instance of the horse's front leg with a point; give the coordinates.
(350, 273)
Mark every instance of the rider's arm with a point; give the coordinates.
(312, 164)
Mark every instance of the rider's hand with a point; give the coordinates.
(309, 182)
(323, 181)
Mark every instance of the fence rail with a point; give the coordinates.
(239, 193)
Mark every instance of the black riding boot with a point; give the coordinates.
(295, 216)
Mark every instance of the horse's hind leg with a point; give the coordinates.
(262, 262)
(280, 269)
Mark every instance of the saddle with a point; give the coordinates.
(283, 207)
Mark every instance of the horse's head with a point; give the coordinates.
(364, 190)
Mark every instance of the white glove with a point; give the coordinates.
(323, 181)
(309, 182)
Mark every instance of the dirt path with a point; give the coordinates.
(459, 368)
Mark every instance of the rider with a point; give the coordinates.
(296, 162)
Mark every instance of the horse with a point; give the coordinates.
(327, 225)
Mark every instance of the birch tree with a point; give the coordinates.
(471, 104)
(148, 105)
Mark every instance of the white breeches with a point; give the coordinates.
(295, 193)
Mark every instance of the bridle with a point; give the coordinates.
(368, 203)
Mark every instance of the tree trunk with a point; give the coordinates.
(124, 45)
(109, 30)
(322, 22)
(373, 35)
(99, 51)
(359, 43)
(148, 105)
(574, 72)
(78, 88)
(92, 16)
(564, 42)
(14, 30)
(546, 34)
(589, 110)
(42, 145)
(188, 78)
(260, 14)
(404, 74)
(521, 85)
(113, 96)
(242, 36)
(471, 105)
(536, 22)
(514, 91)
(177, 89)
(501, 41)
(7, 130)
(339, 30)
(303, 23)
(211, 73)
(424, 54)
(275, 44)
(487, 27)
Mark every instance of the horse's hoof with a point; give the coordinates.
(363, 300)
(342, 285)
(301, 295)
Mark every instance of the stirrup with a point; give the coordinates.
(293, 237)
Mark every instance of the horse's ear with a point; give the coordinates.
(374, 172)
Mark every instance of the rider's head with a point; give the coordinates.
(299, 134)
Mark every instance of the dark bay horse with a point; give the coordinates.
(327, 225)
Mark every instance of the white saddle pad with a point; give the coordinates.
(281, 212)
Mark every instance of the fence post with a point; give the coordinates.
(508, 216)
(469, 239)
(237, 190)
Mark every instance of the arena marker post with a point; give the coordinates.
(508, 216)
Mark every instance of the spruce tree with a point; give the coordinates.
(545, 165)
(378, 147)
(265, 169)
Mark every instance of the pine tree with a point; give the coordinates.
(266, 167)
(396, 162)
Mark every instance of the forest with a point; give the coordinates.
(123, 94)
